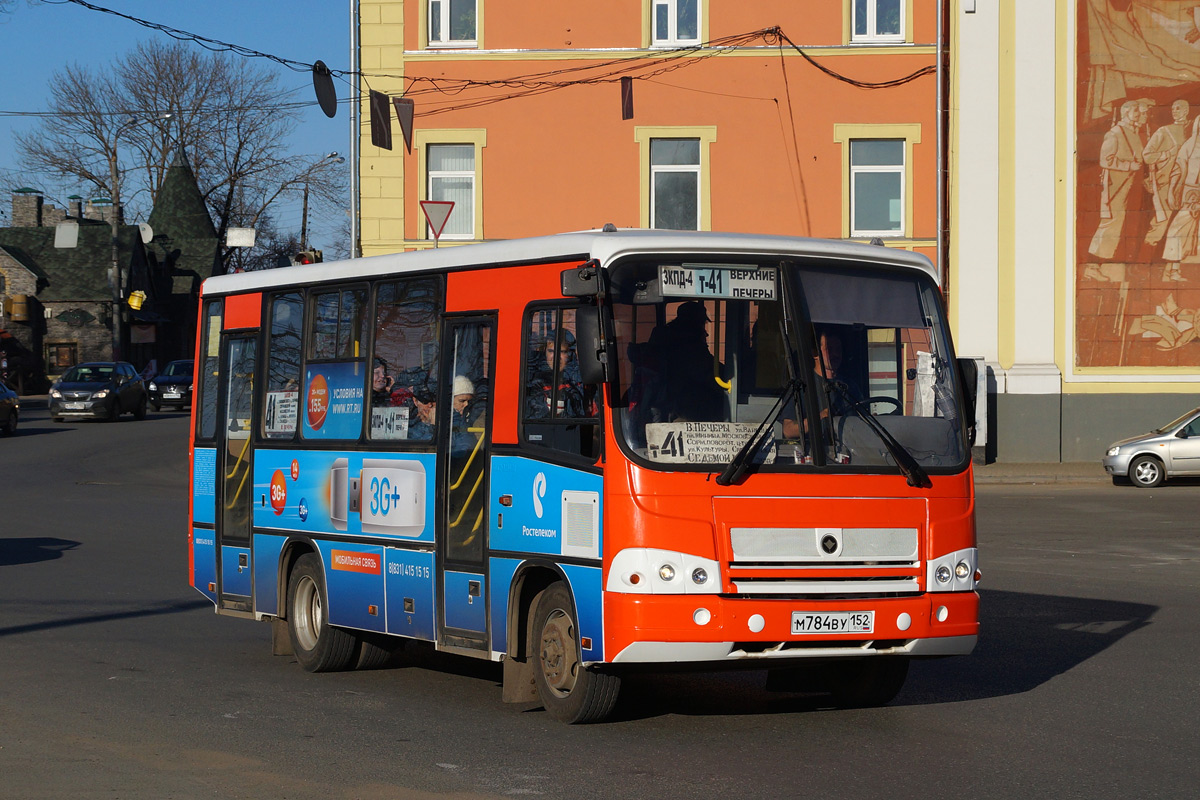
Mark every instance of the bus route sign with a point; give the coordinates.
(728, 281)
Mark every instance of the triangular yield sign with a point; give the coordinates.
(437, 212)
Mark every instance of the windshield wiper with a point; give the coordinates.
(741, 462)
(912, 471)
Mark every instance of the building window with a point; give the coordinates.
(61, 356)
(674, 177)
(675, 184)
(452, 23)
(676, 23)
(877, 21)
(877, 187)
(451, 170)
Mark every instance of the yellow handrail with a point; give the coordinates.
(241, 485)
(467, 503)
(467, 466)
(241, 455)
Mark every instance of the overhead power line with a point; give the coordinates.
(533, 82)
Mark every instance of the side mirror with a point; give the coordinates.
(968, 373)
(582, 281)
(589, 341)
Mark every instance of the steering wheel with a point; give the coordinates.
(897, 408)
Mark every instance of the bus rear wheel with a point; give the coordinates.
(569, 691)
(867, 683)
(319, 647)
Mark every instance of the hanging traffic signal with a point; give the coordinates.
(308, 257)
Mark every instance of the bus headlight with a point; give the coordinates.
(645, 570)
(953, 572)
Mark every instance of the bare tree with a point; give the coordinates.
(118, 129)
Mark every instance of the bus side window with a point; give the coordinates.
(404, 363)
(281, 408)
(210, 348)
(334, 380)
(559, 410)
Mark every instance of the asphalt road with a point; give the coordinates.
(118, 681)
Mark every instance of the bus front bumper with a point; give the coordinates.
(674, 629)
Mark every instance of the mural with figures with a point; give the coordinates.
(1138, 191)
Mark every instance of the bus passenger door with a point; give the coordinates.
(235, 481)
(464, 441)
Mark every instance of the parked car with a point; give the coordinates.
(10, 410)
(173, 386)
(1168, 452)
(103, 390)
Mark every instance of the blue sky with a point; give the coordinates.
(38, 38)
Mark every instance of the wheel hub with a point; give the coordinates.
(559, 664)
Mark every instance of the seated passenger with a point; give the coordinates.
(541, 386)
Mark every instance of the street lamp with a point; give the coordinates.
(118, 312)
(336, 159)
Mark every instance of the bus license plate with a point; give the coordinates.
(833, 622)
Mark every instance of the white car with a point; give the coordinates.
(1171, 451)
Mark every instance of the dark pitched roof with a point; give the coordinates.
(179, 211)
(23, 258)
(76, 273)
(185, 240)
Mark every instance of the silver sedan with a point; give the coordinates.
(1168, 452)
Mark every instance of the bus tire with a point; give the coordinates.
(569, 691)
(868, 682)
(319, 647)
(373, 656)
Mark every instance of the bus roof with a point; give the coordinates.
(604, 246)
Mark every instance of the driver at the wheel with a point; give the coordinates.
(827, 362)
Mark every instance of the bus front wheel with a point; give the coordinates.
(319, 647)
(569, 691)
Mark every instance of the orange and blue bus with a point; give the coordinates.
(591, 453)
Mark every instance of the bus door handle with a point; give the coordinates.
(473, 590)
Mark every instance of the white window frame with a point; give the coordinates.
(444, 20)
(907, 132)
(673, 39)
(431, 175)
(879, 169)
(422, 140)
(643, 136)
(695, 169)
(872, 36)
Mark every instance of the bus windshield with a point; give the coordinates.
(848, 363)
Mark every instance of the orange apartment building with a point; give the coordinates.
(815, 118)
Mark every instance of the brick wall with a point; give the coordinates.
(26, 210)
(69, 325)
